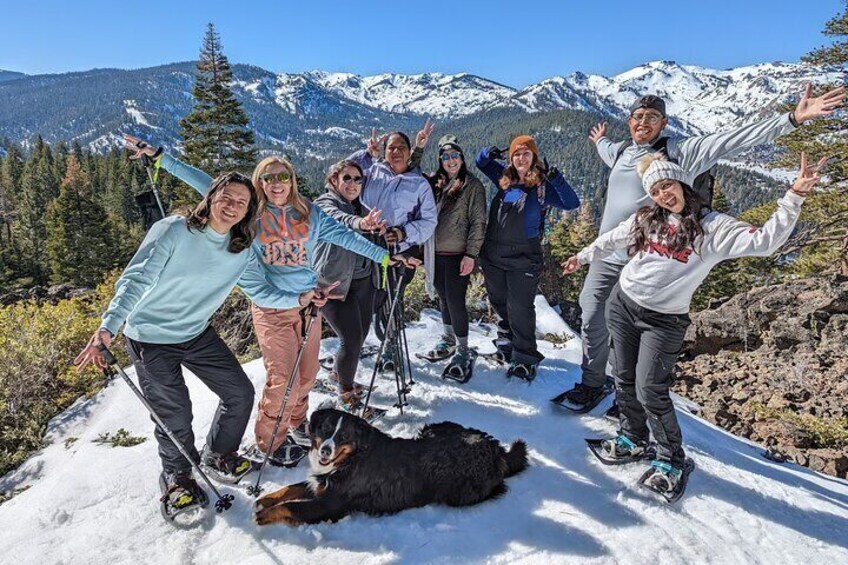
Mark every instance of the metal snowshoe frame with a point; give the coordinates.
(225, 501)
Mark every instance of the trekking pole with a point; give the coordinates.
(389, 324)
(148, 166)
(224, 501)
(313, 314)
(397, 350)
(402, 340)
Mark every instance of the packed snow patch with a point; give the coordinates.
(90, 503)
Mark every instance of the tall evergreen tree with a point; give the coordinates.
(79, 242)
(567, 238)
(38, 185)
(215, 134)
(821, 241)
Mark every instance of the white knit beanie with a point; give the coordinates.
(659, 169)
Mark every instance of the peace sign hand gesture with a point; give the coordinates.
(808, 176)
(375, 145)
(809, 108)
(423, 135)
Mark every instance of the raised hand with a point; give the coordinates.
(138, 146)
(570, 265)
(549, 172)
(809, 108)
(466, 266)
(808, 176)
(597, 132)
(375, 144)
(495, 153)
(91, 354)
(423, 135)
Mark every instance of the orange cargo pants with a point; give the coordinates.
(280, 333)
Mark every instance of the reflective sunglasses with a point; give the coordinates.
(279, 177)
(348, 178)
(648, 118)
(448, 156)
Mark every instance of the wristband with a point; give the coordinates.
(793, 120)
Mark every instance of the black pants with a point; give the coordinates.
(160, 376)
(646, 345)
(350, 319)
(512, 295)
(452, 289)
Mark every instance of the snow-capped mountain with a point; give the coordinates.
(314, 113)
(82, 502)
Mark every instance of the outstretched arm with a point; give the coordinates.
(487, 163)
(192, 176)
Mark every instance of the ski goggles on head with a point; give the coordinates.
(278, 177)
(448, 156)
(355, 180)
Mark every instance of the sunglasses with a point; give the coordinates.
(348, 178)
(278, 177)
(448, 156)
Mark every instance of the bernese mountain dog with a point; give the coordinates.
(357, 468)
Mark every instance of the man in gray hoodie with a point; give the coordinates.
(625, 195)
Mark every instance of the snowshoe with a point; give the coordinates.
(330, 385)
(460, 367)
(620, 450)
(581, 398)
(666, 480)
(351, 402)
(386, 363)
(441, 351)
(288, 454)
(524, 371)
(329, 361)
(613, 413)
(502, 354)
(182, 501)
(227, 468)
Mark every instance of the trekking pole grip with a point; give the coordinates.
(107, 355)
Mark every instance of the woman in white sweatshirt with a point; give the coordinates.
(673, 244)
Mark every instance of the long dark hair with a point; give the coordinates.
(653, 220)
(442, 183)
(241, 234)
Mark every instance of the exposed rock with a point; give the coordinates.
(772, 364)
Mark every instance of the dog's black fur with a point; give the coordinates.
(364, 470)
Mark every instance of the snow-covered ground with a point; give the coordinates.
(88, 503)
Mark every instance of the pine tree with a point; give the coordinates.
(79, 242)
(821, 240)
(215, 134)
(567, 238)
(30, 231)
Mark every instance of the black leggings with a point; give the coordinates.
(452, 289)
(350, 319)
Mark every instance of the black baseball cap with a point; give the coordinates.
(649, 101)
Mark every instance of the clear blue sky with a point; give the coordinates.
(516, 43)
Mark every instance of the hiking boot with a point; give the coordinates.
(226, 467)
(350, 401)
(300, 434)
(180, 491)
(582, 395)
(387, 361)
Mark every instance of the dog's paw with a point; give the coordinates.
(274, 514)
(265, 502)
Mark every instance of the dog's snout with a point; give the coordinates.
(326, 450)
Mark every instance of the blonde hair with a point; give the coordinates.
(646, 161)
(296, 200)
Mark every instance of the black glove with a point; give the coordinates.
(495, 153)
(550, 172)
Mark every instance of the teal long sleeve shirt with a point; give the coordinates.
(178, 278)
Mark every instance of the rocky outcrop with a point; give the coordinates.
(771, 365)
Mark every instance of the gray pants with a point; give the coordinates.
(646, 345)
(161, 380)
(596, 290)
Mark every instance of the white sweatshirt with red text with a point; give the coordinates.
(657, 279)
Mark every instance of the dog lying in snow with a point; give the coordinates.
(357, 468)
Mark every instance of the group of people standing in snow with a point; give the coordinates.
(380, 215)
